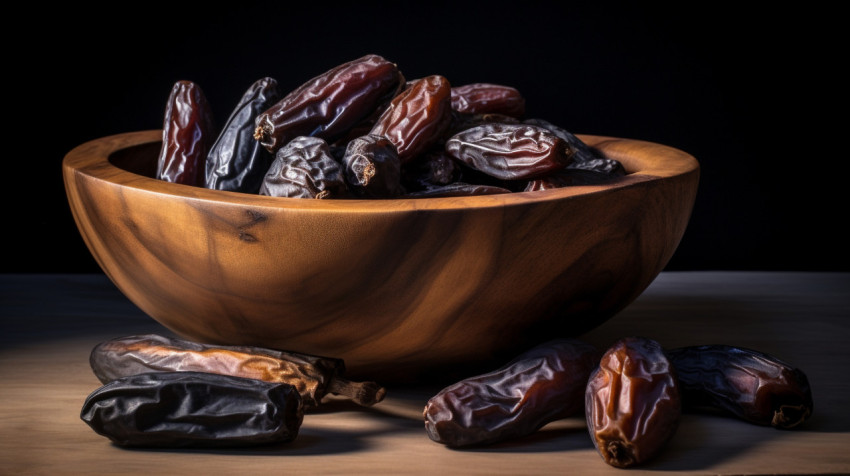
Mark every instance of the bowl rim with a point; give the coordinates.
(644, 161)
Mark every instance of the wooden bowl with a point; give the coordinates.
(399, 289)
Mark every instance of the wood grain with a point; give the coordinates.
(51, 323)
(400, 288)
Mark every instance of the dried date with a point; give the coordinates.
(748, 384)
(590, 172)
(510, 151)
(372, 167)
(305, 168)
(328, 105)
(193, 409)
(487, 98)
(312, 376)
(417, 117)
(583, 152)
(434, 169)
(461, 122)
(188, 132)
(237, 162)
(541, 385)
(632, 403)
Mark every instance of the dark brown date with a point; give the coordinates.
(236, 162)
(541, 385)
(433, 169)
(372, 167)
(193, 409)
(188, 133)
(312, 376)
(751, 385)
(486, 98)
(632, 403)
(510, 151)
(305, 168)
(461, 122)
(417, 117)
(330, 104)
(583, 152)
(590, 172)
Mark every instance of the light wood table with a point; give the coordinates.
(49, 323)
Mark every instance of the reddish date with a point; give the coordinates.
(188, 133)
(330, 104)
(632, 402)
(486, 98)
(417, 117)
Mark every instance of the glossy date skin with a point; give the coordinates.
(589, 172)
(372, 167)
(541, 385)
(582, 151)
(510, 151)
(193, 409)
(330, 104)
(236, 162)
(188, 133)
(312, 376)
(488, 98)
(748, 384)
(417, 117)
(305, 168)
(433, 169)
(632, 402)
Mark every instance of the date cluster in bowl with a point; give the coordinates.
(363, 130)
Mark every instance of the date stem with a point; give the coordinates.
(363, 393)
(619, 455)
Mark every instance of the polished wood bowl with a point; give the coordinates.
(400, 289)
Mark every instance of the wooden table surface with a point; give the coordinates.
(49, 323)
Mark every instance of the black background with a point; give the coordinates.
(757, 95)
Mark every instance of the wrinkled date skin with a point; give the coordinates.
(632, 403)
(372, 167)
(541, 385)
(435, 168)
(582, 151)
(188, 132)
(748, 384)
(312, 376)
(487, 98)
(417, 117)
(510, 151)
(236, 161)
(193, 409)
(330, 104)
(305, 168)
(462, 122)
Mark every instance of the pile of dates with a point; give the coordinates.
(166, 392)
(632, 395)
(362, 130)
